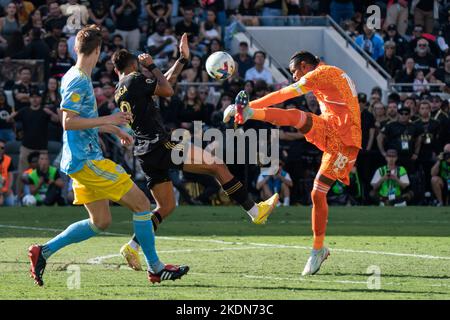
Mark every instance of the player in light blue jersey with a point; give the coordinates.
(96, 180)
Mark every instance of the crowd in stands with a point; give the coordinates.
(405, 156)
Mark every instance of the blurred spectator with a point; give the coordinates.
(424, 60)
(259, 71)
(32, 160)
(195, 72)
(35, 121)
(127, 13)
(380, 117)
(341, 10)
(108, 105)
(249, 87)
(157, 9)
(6, 177)
(397, 16)
(443, 74)
(243, 59)
(21, 89)
(36, 49)
(24, 8)
(192, 109)
(439, 115)
(6, 128)
(271, 10)
(189, 26)
(420, 83)
(440, 180)
(8, 25)
(78, 12)
(210, 29)
(55, 19)
(423, 14)
(403, 136)
(418, 34)
(99, 12)
(45, 183)
(217, 6)
(390, 182)
(429, 130)
(214, 46)
(280, 182)
(247, 13)
(350, 195)
(34, 21)
(51, 100)
(160, 45)
(371, 42)
(401, 45)
(390, 61)
(407, 75)
(61, 61)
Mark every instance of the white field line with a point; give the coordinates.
(99, 260)
(265, 245)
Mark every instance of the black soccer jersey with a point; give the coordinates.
(134, 94)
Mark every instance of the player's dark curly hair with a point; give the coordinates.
(306, 56)
(122, 59)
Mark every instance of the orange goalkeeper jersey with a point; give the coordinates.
(337, 97)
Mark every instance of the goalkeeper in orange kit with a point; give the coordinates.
(337, 131)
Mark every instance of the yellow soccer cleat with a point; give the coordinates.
(265, 208)
(132, 257)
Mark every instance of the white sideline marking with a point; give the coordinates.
(99, 260)
(265, 245)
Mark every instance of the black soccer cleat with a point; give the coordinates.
(170, 272)
(38, 263)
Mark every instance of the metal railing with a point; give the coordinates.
(350, 42)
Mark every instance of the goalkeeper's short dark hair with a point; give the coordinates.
(306, 56)
(122, 59)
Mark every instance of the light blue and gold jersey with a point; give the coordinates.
(77, 95)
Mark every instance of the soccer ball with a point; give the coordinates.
(29, 200)
(220, 65)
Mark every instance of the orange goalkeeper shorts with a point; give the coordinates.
(338, 158)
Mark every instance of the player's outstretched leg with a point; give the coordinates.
(100, 218)
(319, 218)
(136, 201)
(203, 162)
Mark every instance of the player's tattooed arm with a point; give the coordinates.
(173, 73)
(163, 87)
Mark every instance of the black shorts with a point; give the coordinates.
(156, 163)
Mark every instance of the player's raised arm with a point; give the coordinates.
(163, 87)
(173, 73)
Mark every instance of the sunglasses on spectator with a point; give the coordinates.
(404, 113)
(202, 92)
(422, 45)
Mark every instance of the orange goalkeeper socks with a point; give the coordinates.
(319, 213)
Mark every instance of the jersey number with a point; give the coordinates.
(125, 107)
(351, 84)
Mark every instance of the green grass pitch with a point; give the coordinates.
(230, 258)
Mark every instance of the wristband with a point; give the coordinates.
(183, 60)
(151, 67)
